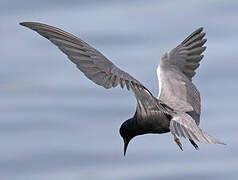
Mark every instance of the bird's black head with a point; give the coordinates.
(127, 132)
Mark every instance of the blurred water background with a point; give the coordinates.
(56, 124)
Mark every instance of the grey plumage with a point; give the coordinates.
(175, 73)
(177, 109)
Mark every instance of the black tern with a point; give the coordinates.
(177, 108)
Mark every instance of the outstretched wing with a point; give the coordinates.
(175, 74)
(184, 126)
(93, 64)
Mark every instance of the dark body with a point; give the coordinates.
(155, 122)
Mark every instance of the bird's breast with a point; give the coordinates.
(155, 123)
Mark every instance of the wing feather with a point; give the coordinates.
(96, 66)
(88, 60)
(175, 73)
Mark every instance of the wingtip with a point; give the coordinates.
(24, 24)
(200, 29)
(197, 31)
(194, 33)
(28, 24)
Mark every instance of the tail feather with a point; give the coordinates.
(184, 126)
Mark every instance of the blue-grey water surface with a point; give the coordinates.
(55, 124)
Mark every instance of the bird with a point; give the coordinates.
(177, 108)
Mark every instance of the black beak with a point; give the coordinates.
(125, 145)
